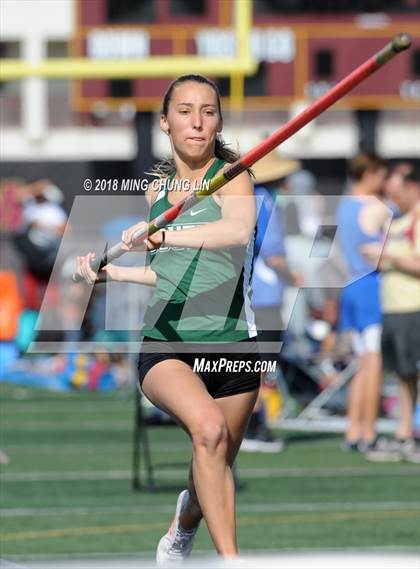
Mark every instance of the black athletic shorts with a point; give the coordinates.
(401, 343)
(225, 373)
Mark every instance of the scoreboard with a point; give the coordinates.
(300, 57)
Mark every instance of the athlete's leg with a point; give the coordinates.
(365, 387)
(354, 407)
(355, 395)
(407, 340)
(372, 362)
(237, 410)
(176, 389)
(408, 398)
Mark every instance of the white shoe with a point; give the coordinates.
(4, 459)
(263, 442)
(176, 545)
(410, 451)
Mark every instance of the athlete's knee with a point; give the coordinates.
(210, 433)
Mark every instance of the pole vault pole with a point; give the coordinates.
(399, 43)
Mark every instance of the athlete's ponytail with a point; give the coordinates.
(223, 151)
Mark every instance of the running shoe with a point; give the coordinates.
(410, 451)
(4, 459)
(384, 450)
(176, 545)
(262, 441)
(349, 446)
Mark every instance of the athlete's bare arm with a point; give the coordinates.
(407, 265)
(139, 275)
(374, 216)
(237, 203)
(234, 229)
(378, 255)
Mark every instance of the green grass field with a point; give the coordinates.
(67, 489)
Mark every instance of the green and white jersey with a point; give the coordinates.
(201, 295)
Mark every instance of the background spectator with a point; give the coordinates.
(400, 265)
(359, 221)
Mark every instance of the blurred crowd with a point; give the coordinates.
(336, 284)
(355, 325)
(32, 224)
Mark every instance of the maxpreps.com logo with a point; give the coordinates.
(204, 365)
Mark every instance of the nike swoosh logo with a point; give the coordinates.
(192, 213)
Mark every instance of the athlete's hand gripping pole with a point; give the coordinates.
(400, 43)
